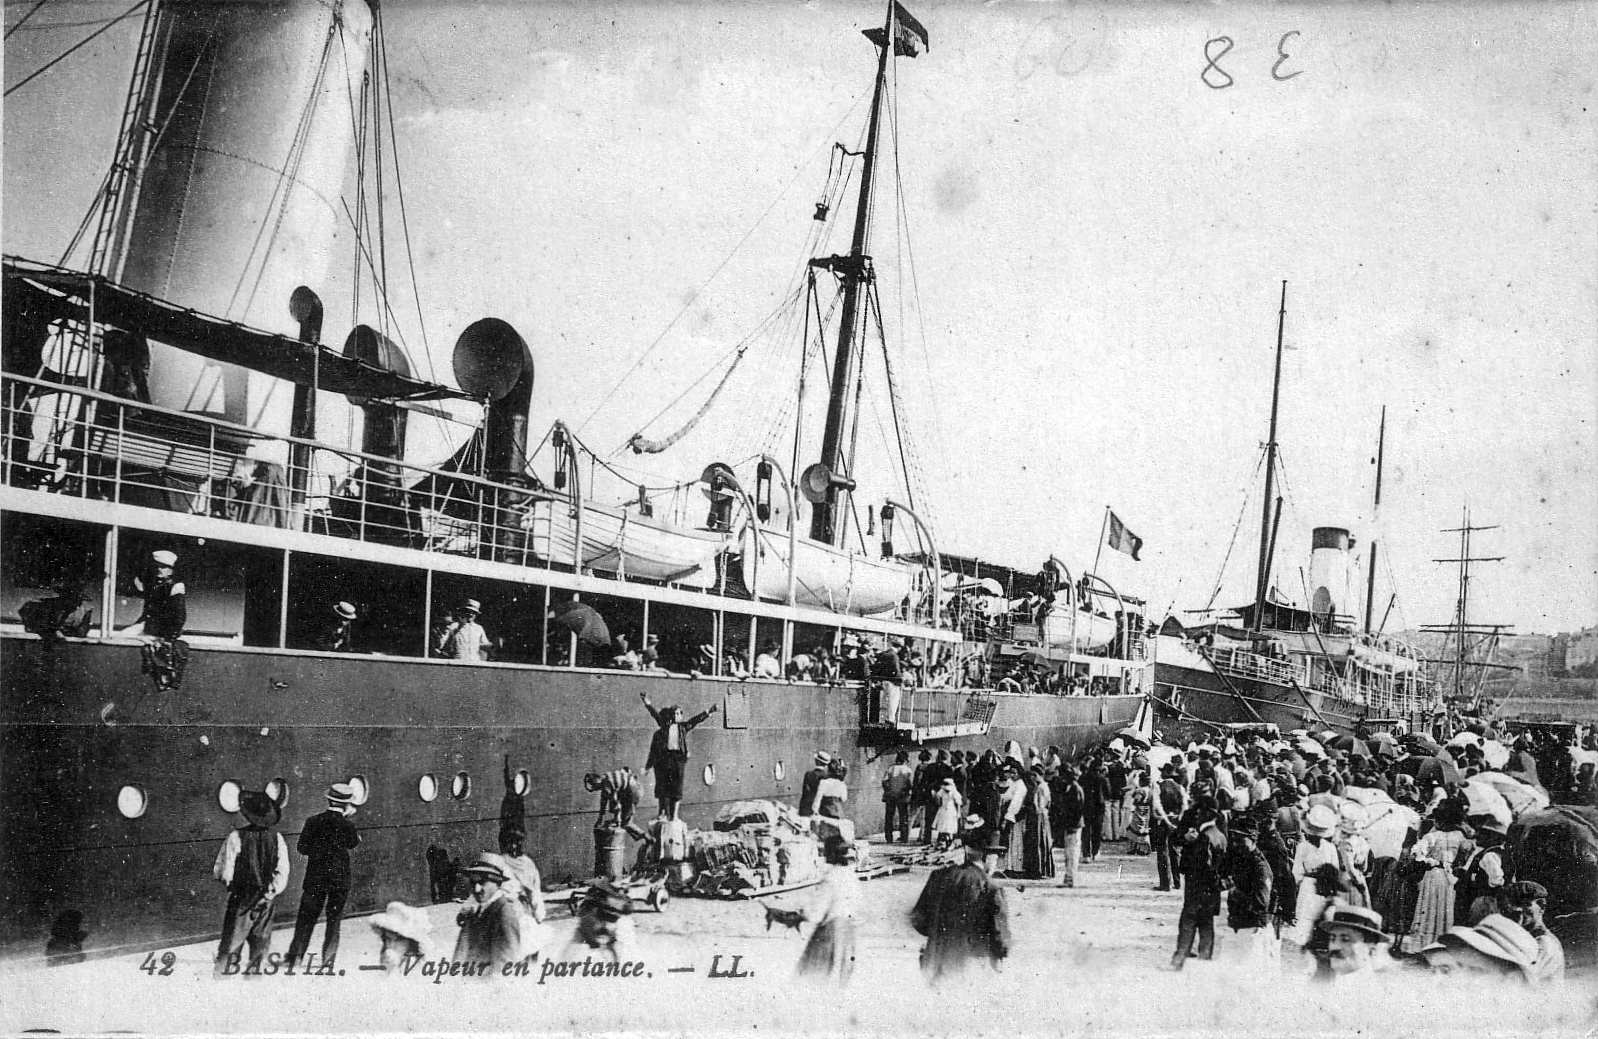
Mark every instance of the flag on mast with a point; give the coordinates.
(1121, 539)
(909, 35)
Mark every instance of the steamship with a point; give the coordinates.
(175, 395)
(1276, 663)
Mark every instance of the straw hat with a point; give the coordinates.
(1497, 937)
(340, 794)
(164, 558)
(471, 606)
(823, 758)
(1367, 922)
(1320, 821)
(406, 921)
(344, 609)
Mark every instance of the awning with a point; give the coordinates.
(63, 293)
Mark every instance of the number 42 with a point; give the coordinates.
(1217, 78)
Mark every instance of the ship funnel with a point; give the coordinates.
(492, 363)
(1330, 571)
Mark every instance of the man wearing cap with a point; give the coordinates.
(326, 841)
(464, 638)
(166, 610)
(1354, 940)
(961, 912)
(164, 617)
(254, 867)
(491, 924)
(338, 636)
(1203, 853)
(1526, 901)
(1248, 903)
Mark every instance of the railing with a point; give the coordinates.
(1245, 664)
(937, 709)
(88, 444)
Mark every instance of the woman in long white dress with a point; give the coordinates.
(1315, 851)
(830, 950)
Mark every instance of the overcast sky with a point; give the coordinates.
(1099, 241)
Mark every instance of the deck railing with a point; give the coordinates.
(1245, 664)
(84, 443)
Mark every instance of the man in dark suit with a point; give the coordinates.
(812, 783)
(961, 912)
(325, 841)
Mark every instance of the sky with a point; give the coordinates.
(1099, 239)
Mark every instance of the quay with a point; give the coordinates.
(1092, 959)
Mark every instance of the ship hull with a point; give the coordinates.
(310, 719)
(1187, 698)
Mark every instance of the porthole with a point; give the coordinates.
(779, 771)
(710, 775)
(461, 787)
(227, 796)
(278, 790)
(132, 802)
(520, 782)
(427, 787)
(361, 790)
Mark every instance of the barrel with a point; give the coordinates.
(610, 851)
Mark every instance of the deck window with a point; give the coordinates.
(512, 614)
(624, 617)
(682, 631)
(737, 631)
(388, 603)
(234, 591)
(39, 555)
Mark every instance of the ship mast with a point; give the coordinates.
(828, 519)
(1263, 581)
(1460, 629)
(1370, 580)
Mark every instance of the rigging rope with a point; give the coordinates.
(30, 13)
(694, 296)
(642, 445)
(1259, 462)
(59, 58)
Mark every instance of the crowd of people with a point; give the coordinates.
(1358, 859)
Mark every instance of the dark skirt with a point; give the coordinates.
(668, 778)
(1037, 857)
(830, 950)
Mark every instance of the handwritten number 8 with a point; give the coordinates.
(1217, 78)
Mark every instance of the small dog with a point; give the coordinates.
(786, 917)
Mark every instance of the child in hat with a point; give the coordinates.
(254, 866)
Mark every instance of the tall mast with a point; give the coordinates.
(1270, 475)
(1461, 629)
(854, 271)
(1370, 580)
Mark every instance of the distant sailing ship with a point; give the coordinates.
(1272, 662)
(145, 412)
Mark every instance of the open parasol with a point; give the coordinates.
(1521, 797)
(584, 621)
(1350, 745)
(1482, 799)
